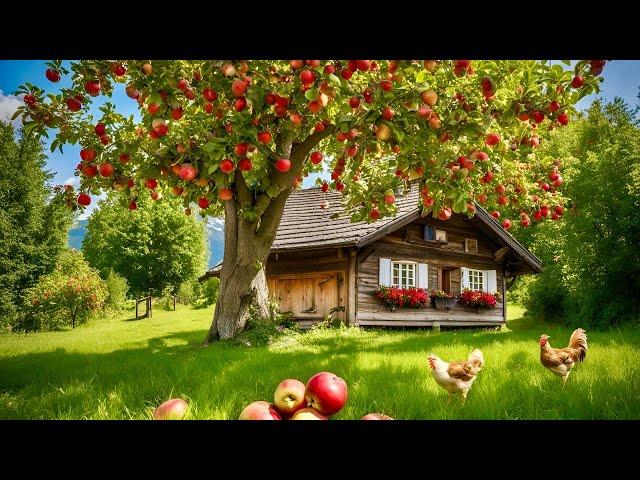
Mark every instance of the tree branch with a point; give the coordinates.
(244, 194)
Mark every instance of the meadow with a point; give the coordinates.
(120, 368)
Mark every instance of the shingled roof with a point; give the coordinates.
(307, 226)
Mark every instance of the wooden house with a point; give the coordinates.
(320, 264)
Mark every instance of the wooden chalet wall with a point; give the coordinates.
(407, 244)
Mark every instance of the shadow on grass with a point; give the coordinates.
(385, 373)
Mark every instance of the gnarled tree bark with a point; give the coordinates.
(247, 244)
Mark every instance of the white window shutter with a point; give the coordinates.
(464, 281)
(384, 272)
(423, 276)
(491, 281)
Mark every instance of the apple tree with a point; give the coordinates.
(236, 137)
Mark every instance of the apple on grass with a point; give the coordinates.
(260, 410)
(326, 392)
(289, 396)
(308, 414)
(376, 416)
(173, 409)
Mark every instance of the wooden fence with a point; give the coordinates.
(148, 301)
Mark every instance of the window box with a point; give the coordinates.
(394, 297)
(444, 303)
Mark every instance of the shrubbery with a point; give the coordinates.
(69, 295)
(117, 288)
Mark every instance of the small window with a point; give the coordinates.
(403, 274)
(441, 236)
(429, 233)
(476, 280)
(471, 245)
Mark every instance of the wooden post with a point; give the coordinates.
(174, 303)
(504, 295)
(150, 300)
(351, 288)
(137, 303)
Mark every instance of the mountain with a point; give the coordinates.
(214, 228)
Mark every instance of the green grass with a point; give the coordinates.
(120, 369)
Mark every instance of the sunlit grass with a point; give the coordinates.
(121, 369)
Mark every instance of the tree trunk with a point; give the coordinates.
(248, 240)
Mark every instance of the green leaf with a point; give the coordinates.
(209, 147)
(334, 79)
(311, 94)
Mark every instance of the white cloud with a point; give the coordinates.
(75, 181)
(8, 106)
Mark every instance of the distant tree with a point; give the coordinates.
(33, 221)
(155, 247)
(68, 295)
(591, 254)
(117, 289)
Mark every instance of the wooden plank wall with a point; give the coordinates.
(398, 246)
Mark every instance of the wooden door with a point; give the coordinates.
(445, 280)
(310, 295)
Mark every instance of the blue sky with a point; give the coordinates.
(621, 79)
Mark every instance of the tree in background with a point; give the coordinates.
(33, 222)
(592, 256)
(155, 247)
(237, 137)
(71, 293)
(117, 289)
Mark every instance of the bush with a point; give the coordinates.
(71, 293)
(165, 302)
(187, 293)
(208, 293)
(117, 288)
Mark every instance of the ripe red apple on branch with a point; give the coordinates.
(376, 125)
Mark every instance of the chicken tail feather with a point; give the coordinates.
(578, 341)
(477, 357)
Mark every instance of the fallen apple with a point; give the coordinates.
(308, 414)
(173, 409)
(289, 396)
(376, 416)
(326, 392)
(260, 410)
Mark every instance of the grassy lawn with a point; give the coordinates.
(120, 369)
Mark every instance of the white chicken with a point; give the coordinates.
(456, 377)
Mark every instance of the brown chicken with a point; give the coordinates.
(456, 377)
(561, 360)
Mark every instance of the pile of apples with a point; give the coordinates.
(325, 394)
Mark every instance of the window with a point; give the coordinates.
(403, 274)
(441, 236)
(471, 245)
(429, 232)
(476, 280)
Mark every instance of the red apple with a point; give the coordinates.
(245, 164)
(563, 119)
(354, 102)
(537, 116)
(326, 392)
(308, 414)
(133, 205)
(105, 139)
(240, 104)
(203, 202)
(52, 75)
(376, 416)
(87, 154)
(100, 129)
(260, 410)
(444, 214)
(558, 210)
(283, 165)
(325, 187)
(106, 169)
(429, 97)
(306, 77)
(386, 85)
(492, 139)
(316, 158)
(506, 224)
(188, 172)
(238, 88)
(387, 113)
(176, 113)
(346, 74)
(151, 183)
(210, 95)
(177, 190)
(31, 100)
(241, 149)
(577, 81)
(226, 166)
(289, 396)
(92, 87)
(225, 194)
(73, 104)
(84, 199)
(90, 171)
(495, 214)
(500, 188)
(174, 409)
(264, 137)
(553, 106)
